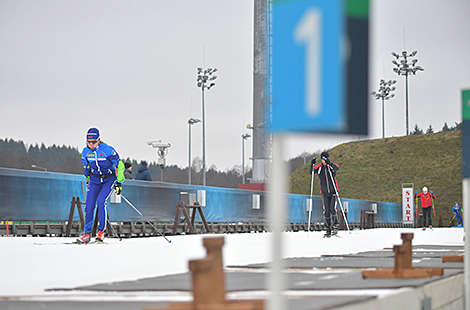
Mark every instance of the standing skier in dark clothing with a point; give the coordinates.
(328, 187)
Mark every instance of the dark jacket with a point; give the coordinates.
(127, 174)
(326, 176)
(143, 174)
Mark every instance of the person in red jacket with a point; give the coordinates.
(426, 205)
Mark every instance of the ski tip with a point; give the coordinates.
(97, 242)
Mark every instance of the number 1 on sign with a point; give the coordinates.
(307, 32)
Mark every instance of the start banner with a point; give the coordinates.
(407, 202)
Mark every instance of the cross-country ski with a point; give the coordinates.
(70, 243)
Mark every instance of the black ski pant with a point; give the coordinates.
(427, 214)
(329, 210)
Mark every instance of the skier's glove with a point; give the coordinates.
(328, 162)
(118, 188)
(313, 161)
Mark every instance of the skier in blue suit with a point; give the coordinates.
(456, 210)
(104, 171)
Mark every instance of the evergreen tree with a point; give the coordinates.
(457, 126)
(430, 129)
(445, 127)
(417, 131)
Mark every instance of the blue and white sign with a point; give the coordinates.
(308, 66)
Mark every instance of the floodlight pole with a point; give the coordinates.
(406, 100)
(204, 77)
(244, 137)
(203, 141)
(384, 93)
(405, 68)
(191, 122)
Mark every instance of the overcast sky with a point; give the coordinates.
(129, 68)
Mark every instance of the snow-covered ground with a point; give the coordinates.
(30, 265)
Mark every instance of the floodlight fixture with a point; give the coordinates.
(384, 93)
(193, 121)
(204, 76)
(244, 137)
(406, 67)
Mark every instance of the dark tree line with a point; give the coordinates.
(174, 174)
(419, 131)
(66, 159)
(15, 154)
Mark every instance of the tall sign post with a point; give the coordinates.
(466, 185)
(407, 203)
(311, 79)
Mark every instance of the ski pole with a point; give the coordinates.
(432, 201)
(311, 202)
(416, 202)
(305, 213)
(339, 199)
(156, 230)
(114, 232)
(452, 218)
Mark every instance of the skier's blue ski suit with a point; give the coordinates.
(102, 167)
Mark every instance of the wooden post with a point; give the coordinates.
(75, 202)
(452, 258)
(181, 207)
(208, 274)
(362, 224)
(403, 264)
(403, 253)
(189, 220)
(341, 219)
(199, 208)
(209, 284)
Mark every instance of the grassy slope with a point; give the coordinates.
(376, 169)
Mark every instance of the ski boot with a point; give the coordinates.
(100, 236)
(334, 230)
(327, 234)
(84, 239)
